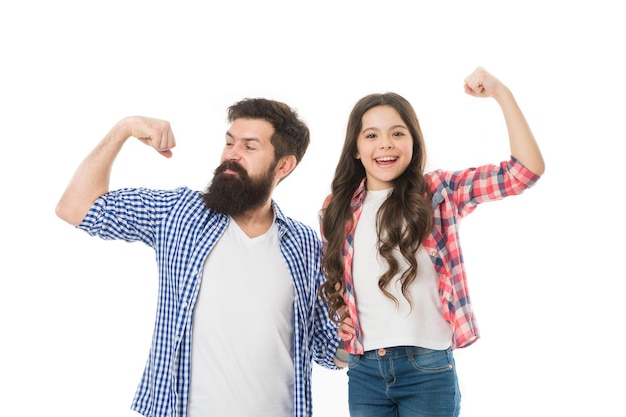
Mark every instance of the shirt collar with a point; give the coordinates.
(278, 214)
(359, 195)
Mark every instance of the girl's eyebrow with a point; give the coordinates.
(392, 127)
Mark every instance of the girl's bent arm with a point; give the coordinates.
(524, 148)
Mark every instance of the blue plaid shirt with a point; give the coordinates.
(182, 232)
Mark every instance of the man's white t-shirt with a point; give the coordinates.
(242, 343)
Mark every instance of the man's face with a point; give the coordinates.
(248, 142)
(246, 175)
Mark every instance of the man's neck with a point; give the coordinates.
(257, 221)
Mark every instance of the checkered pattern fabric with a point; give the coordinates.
(455, 195)
(182, 232)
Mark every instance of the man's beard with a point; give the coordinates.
(235, 194)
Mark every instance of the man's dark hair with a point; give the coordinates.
(291, 136)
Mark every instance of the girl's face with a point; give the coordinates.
(384, 146)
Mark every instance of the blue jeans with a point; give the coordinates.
(403, 381)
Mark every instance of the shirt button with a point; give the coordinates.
(184, 303)
(382, 352)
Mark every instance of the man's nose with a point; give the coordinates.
(233, 152)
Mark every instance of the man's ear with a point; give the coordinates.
(285, 165)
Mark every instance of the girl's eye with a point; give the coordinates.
(370, 136)
(398, 133)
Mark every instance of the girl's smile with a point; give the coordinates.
(384, 146)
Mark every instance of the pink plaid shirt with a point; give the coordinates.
(455, 194)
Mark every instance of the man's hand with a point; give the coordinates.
(152, 132)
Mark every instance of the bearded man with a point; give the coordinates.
(239, 320)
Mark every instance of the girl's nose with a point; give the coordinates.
(386, 143)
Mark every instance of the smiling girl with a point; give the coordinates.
(395, 274)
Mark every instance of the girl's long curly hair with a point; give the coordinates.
(403, 220)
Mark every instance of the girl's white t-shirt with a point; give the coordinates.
(383, 323)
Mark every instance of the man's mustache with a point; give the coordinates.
(232, 166)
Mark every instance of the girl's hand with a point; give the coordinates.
(480, 83)
(346, 330)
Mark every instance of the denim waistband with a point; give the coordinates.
(396, 352)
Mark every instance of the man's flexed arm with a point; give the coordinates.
(91, 179)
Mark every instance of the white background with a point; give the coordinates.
(546, 269)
